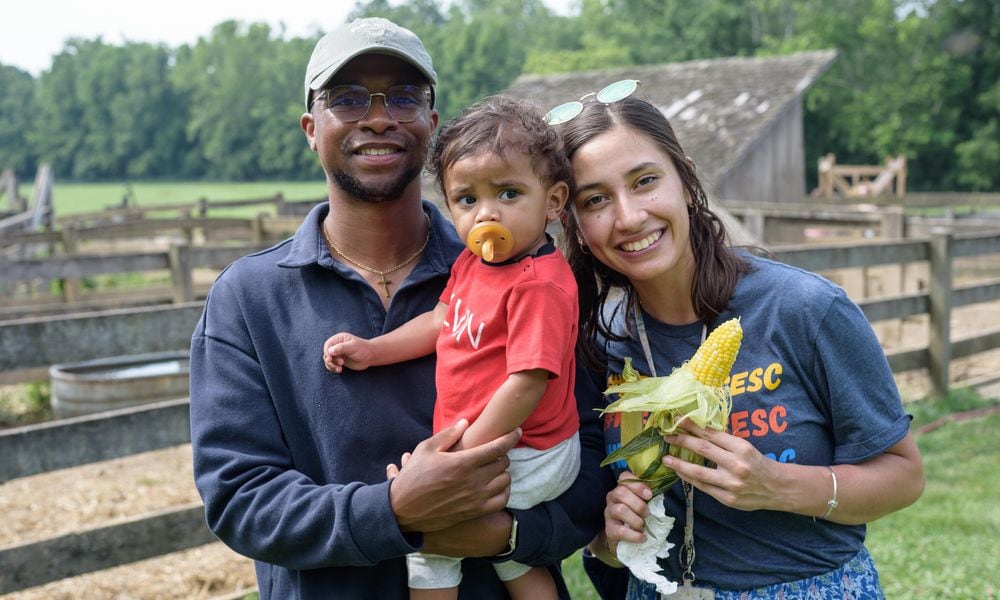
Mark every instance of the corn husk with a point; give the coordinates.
(668, 400)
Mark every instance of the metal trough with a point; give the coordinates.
(106, 384)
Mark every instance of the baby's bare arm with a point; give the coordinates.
(510, 405)
(413, 339)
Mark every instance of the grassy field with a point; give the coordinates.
(76, 198)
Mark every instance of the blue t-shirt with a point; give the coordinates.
(810, 386)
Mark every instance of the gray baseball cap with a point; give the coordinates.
(365, 36)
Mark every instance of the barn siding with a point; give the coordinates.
(772, 169)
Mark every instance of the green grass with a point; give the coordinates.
(958, 400)
(577, 582)
(77, 198)
(946, 544)
(24, 404)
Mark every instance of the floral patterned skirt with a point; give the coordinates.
(857, 579)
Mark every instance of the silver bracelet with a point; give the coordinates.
(832, 502)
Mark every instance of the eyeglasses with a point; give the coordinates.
(350, 103)
(609, 94)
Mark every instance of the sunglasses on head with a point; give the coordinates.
(609, 94)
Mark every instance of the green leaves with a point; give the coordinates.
(912, 78)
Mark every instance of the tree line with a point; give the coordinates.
(913, 77)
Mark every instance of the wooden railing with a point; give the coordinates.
(939, 251)
(861, 181)
(22, 217)
(202, 208)
(66, 443)
(192, 243)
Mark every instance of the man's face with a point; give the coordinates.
(376, 158)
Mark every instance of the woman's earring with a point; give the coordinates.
(583, 245)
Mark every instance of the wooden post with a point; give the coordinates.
(8, 182)
(893, 223)
(939, 333)
(187, 230)
(42, 205)
(203, 207)
(754, 221)
(279, 204)
(257, 228)
(893, 226)
(71, 285)
(181, 273)
(901, 176)
(825, 168)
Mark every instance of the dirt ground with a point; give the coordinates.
(70, 500)
(73, 499)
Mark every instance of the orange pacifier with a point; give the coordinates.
(491, 241)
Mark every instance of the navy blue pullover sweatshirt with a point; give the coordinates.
(290, 458)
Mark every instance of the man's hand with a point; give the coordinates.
(437, 488)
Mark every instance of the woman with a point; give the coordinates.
(818, 443)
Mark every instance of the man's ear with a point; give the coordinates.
(308, 124)
(434, 121)
(555, 200)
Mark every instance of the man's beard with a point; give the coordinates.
(387, 192)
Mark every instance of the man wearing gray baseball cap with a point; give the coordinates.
(290, 459)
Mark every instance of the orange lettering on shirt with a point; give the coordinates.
(738, 424)
(762, 422)
(759, 420)
(778, 426)
(612, 421)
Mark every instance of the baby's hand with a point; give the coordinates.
(346, 350)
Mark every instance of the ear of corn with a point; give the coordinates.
(696, 390)
(715, 357)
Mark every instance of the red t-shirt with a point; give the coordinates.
(503, 319)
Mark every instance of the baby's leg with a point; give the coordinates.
(536, 584)
(435, 594)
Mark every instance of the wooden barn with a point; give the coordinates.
(740, 119)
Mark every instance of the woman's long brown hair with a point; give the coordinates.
(717, 266)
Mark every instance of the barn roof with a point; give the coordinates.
(717, 107)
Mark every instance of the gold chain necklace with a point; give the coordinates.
(384, 282)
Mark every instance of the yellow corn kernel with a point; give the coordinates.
(715, 357)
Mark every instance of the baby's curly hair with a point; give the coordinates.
(501, 124)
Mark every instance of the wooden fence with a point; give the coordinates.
(21, 217)
(202, 207)
(193, 243)
(70, 442)
(8, 189)
(854, 181)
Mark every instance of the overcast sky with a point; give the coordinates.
(32, 31)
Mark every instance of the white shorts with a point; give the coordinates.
(536, 476)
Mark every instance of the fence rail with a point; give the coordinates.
(40, 448)
(201, 207)
(188, 243)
